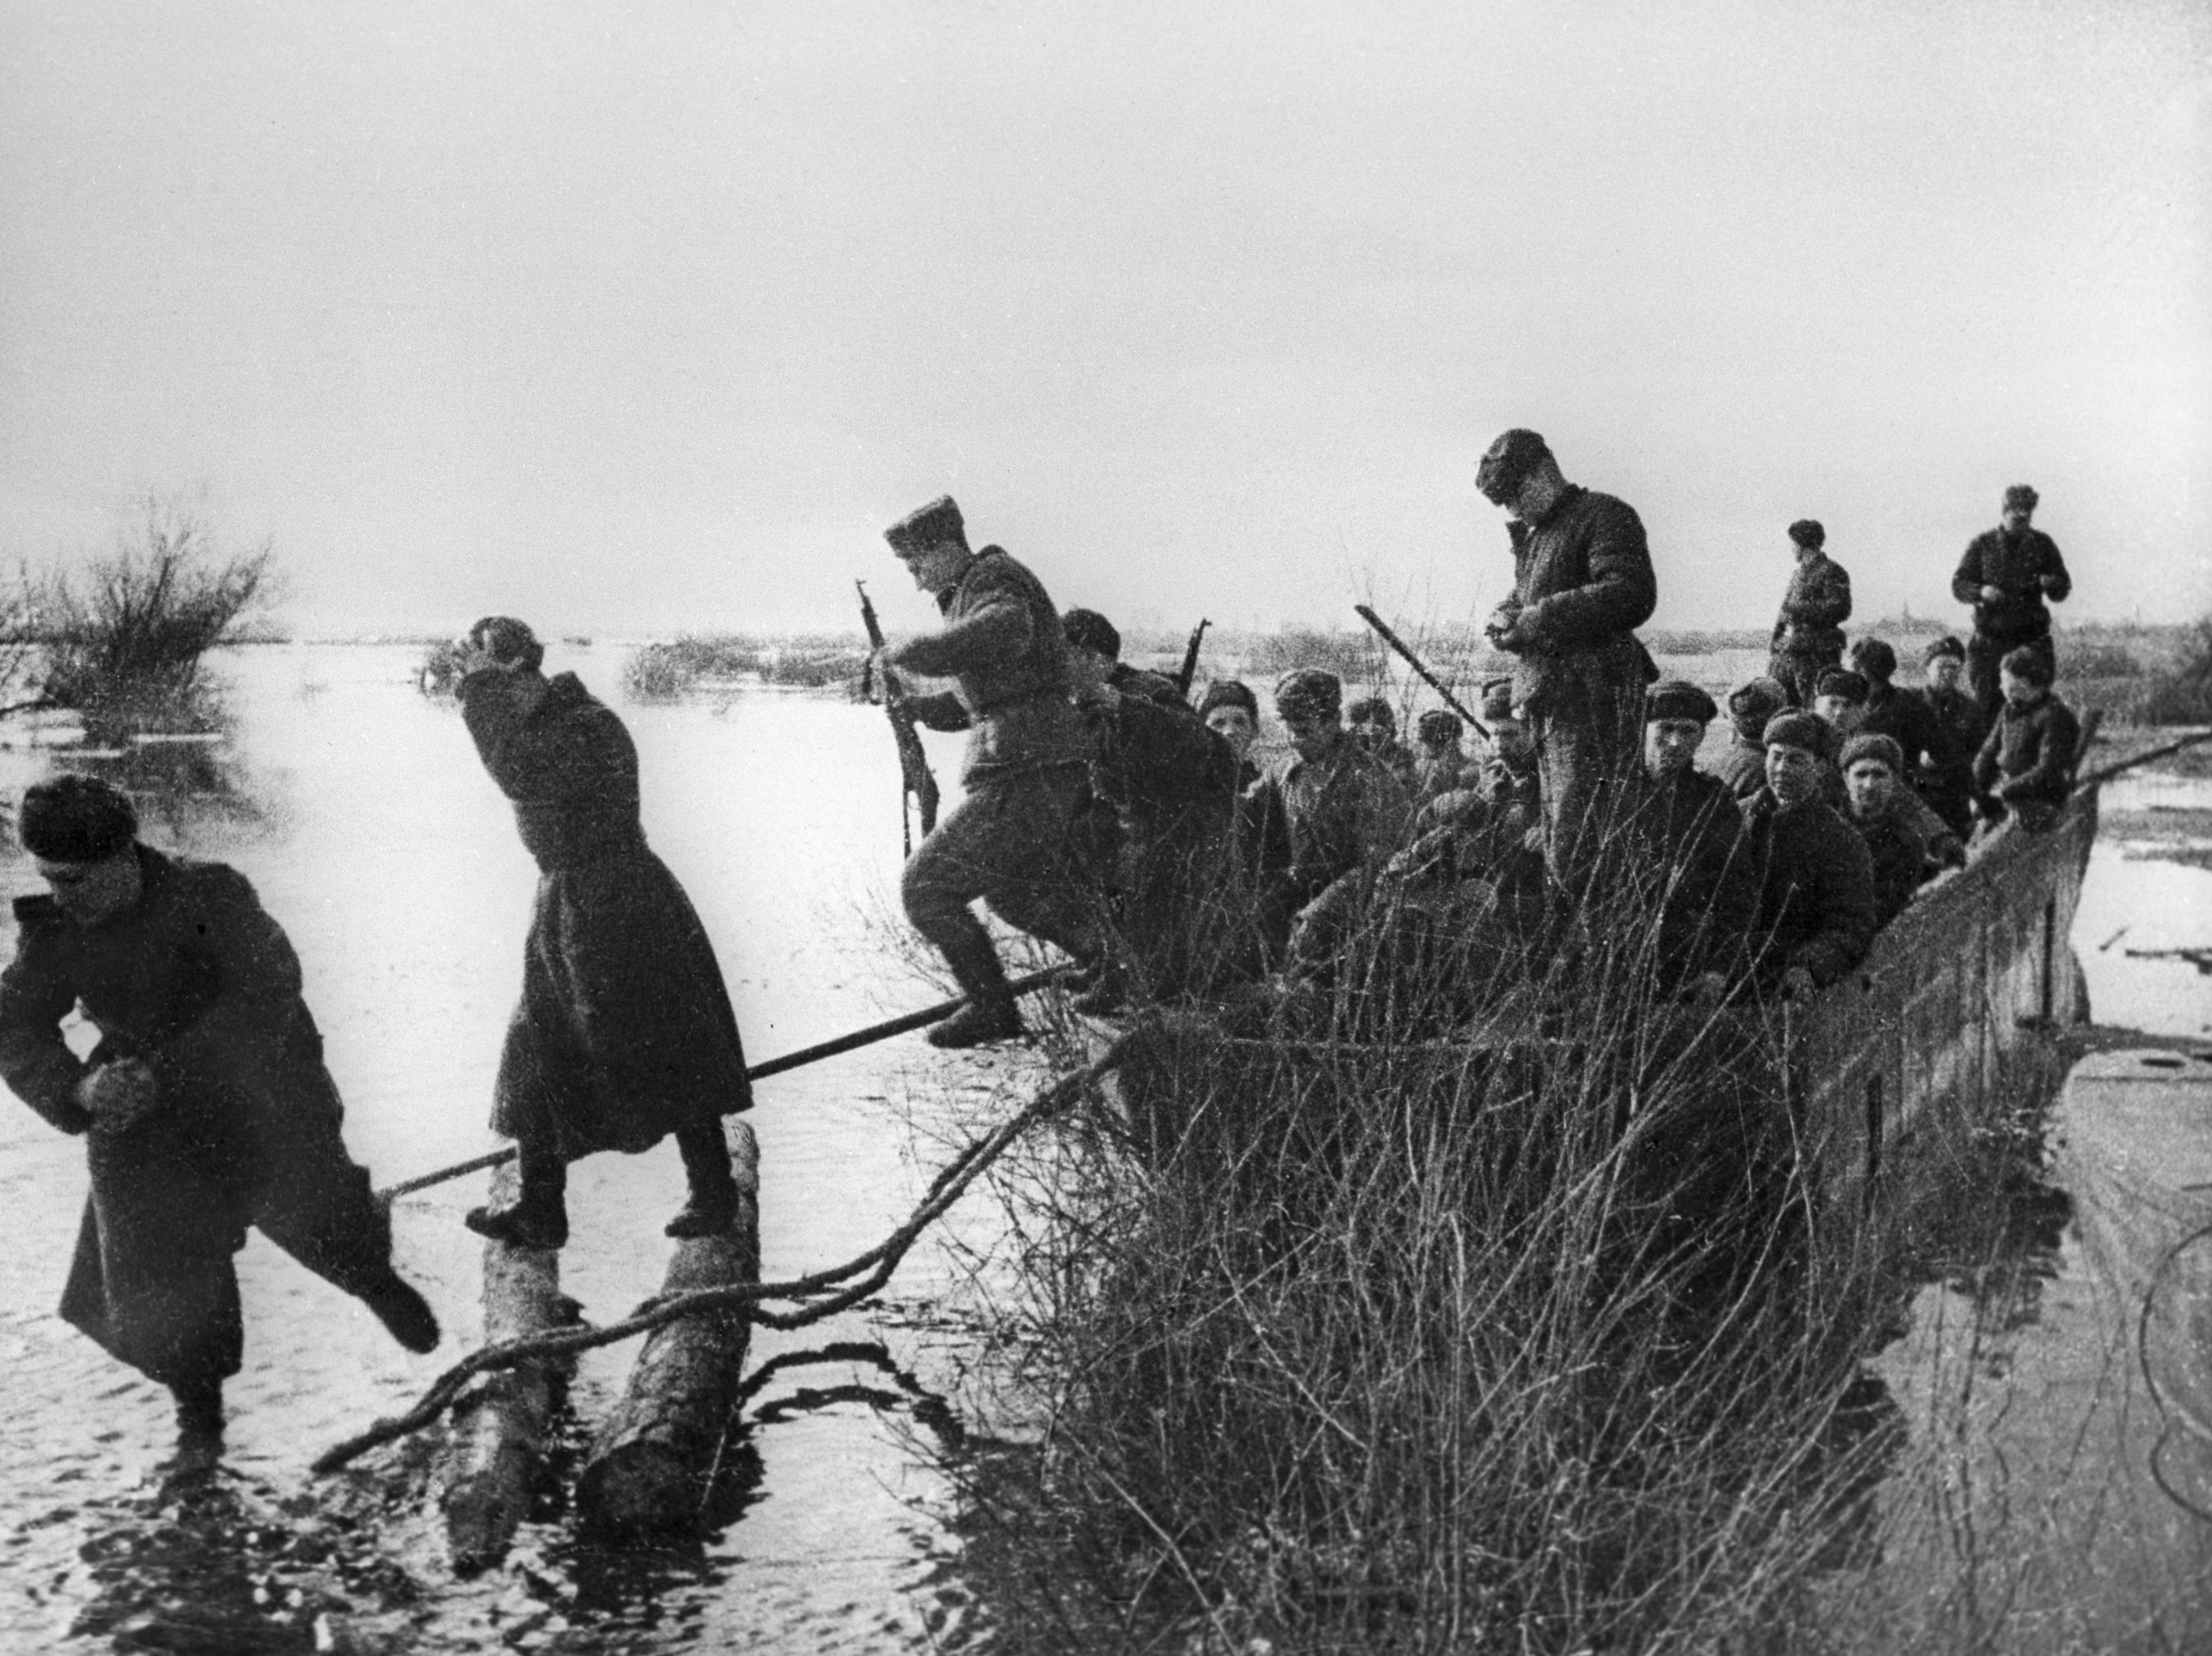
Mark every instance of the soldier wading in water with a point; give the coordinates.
(1025, 770)
(624, 1033)
(204, 1107)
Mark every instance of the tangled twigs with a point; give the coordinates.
(823, 1293)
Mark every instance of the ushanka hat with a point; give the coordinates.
(2021, 498)
(1309, 690)
(1678, 699)
(925, 526)
(1506, 462)
(75, 818)
(1796, 729)
(1869, 744)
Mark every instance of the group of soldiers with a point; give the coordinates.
(1106, 815)
(1103, 813)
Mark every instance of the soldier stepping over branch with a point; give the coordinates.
(624, 1033)
(205, 1106)
(1007, 842)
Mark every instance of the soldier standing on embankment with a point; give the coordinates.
(1808, 634)
(2006, 575)
(1002, 647)
(1582, 583)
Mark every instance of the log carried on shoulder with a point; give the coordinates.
(496, 1451)
(651, 1465)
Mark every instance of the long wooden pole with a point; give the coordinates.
(1415, 662)
(2108, 772)
(804, 1056)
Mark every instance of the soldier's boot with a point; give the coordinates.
(538, 1218)
(712, 1207)
(406, 1314)
(199, 1415)
(990, 1015)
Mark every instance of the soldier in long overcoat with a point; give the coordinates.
(1582, 583)
(624, 1033)
(205, 1106)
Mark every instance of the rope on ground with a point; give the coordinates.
(877, 1264)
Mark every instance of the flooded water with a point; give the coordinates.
(361, 812)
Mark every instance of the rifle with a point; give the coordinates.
(1414, 662)
(913, 764)
(1190, 660)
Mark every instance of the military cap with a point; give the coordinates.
(1797, 728)
(2021, 498)
(1807, 532)
(1942, 647)
(1841, 681)
(1872, 744)
(1875, 658)
(1371, 709)
(925, 526)
(1438, 726)
(1506, 462)
(1758, 700)
(1678, 699)
(1309, 690)
(1229, 692)
(509, 642)
(2029, 663)
(1498, 699)
(75, 818)
(1088, 630)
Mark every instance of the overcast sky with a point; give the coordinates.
(648, 317)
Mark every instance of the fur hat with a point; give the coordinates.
(75, 818)
(1869, 744)
(1752, 702)
(1496, 699)
(2021, 498)
(1875, 659)
(1371, 709)
(1678, 699)
(1088, 630)
(1945, 646)
(1309, 690)
(1797, 728)
(1229, 692)
(510, 642)
(1841, 681)
(1507, 462)
(2029, 663)
(925, 526)
(1438, 726)
(1807, 532)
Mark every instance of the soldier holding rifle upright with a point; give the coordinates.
(1002, 647)
(1582, 583)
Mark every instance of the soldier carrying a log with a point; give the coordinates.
(205, 1106)
(1002, 647)
(624, 1033)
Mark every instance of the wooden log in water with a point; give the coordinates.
(495, 1448)
(650, 1467)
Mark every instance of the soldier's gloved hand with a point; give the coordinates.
(1797, 984)
(1992, 594)
(2047, 581)
(115, 1095)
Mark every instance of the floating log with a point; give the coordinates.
(497, 1447)
(650, 1467)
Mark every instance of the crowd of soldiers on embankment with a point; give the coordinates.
(1103, 813)
(1109, 816)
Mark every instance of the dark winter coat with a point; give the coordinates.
(1582, 583)
(1898, 854)
(2027, 758)
(1814, 607)
(1155, 687)
(1343, 811)
(624, 1031)
(1906, 720)
(1002, 646)
(1816, 907)
(1948, 785)
(198, 983)
(1690, 845)
(1740, 767)
(2019, 566)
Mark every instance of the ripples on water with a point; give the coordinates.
(362, 814)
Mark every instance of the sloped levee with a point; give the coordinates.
(1928, 1022)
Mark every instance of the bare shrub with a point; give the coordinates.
(2183, 693)
(124, 635)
